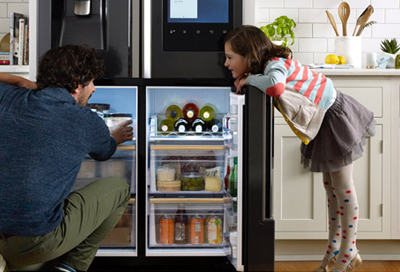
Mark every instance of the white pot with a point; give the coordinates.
(277, 42)
(392, 59)
(350, 48)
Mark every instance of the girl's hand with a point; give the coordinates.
(239, 83)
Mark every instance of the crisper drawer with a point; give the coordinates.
(187, 168)
(121, 164)
(123, 235)
(187, 223)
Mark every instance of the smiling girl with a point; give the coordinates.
(332, 126)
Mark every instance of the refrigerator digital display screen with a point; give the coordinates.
(198, 11)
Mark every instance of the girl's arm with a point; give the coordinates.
(17, 81)
(273, 81)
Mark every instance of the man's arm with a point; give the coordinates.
(17, 81)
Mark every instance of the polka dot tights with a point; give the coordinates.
(343, 215)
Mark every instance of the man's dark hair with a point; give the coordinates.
(68, 66)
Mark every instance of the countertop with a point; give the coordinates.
(358, 72)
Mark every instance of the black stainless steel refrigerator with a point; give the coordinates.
(191, 155)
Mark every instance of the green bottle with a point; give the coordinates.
(233, 179)
(207, 113)
(165, 126)
(397, 62)
(173, 113)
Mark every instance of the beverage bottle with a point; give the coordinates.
(199, 125)
(216, 126)
(233, 239)
(181, 226)
(165, 125)
(233, 179)
(196, 230)
(233, 120)
(207, 113)
(228, 172)
(182, 125)
(190, 111)
(166, 230)
(173, 112)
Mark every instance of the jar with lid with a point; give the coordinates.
(115, 119)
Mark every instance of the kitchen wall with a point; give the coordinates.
(8, 6)
(314, 34)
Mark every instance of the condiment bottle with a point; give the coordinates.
(181, 226)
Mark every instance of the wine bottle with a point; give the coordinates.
(173, 112)
(207, 113)
(233, 179)
(182, 125)
(216, 126)
(190, 111)
(199, 125)
(165, 125)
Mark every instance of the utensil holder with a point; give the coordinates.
(350, 48)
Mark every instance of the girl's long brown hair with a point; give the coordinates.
(252, 43)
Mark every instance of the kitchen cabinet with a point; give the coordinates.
(299, 197)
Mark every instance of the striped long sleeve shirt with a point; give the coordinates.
(282, 73)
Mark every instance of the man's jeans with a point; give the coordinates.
(89, 215)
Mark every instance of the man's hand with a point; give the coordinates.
(123, 133)
(17, 81)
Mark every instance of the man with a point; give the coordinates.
(44, 136)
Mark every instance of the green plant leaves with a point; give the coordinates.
(280, 29)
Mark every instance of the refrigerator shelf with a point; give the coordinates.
(189, 200)
(188, 194)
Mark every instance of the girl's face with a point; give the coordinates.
(236, 63)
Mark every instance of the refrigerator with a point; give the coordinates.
(224, 233)
(115, 104)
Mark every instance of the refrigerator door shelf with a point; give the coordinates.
(206, 233)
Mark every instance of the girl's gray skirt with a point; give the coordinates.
(340, 140)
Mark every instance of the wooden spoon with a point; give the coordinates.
(359, 20)
(365, 18)
(332, 20)
(344, 13)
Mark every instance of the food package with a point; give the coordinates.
(177, 168)
(169, 186)
(165, 173)
(213, 184)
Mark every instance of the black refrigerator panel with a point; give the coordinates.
(185, 38)
(258, 224)
(103, 24)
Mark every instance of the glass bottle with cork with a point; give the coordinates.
(181, 225)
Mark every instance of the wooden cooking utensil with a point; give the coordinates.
(359, 20)
(344, 13)
(5, 43)
(365, 18)
(332, 20)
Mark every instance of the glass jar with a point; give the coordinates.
(397, 62)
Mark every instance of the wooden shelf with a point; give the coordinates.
(14, 69)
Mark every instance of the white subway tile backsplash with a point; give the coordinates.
(323, 31)
(327, 4)
(385, 31)
(303, 31)
(312, 45)
(291, 13)
(371, 45)
(298, 3)
(312, 16)
(4, 25)
(392, 16)
(386, 4)
(358, 3)
(19, 7)
(270, 3)
(304, 58)
(320, 57)
(3, 10)
(263, 15)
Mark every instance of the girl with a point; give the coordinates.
(332, 126)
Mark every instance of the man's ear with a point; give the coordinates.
(75, 94)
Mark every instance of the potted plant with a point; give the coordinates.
(280, 30)
(390, 48)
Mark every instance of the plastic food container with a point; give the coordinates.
(115, 119)
(169, 186)
(192, 182)
(165, 173)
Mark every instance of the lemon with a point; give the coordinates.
(342, 60)
(332, 59)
